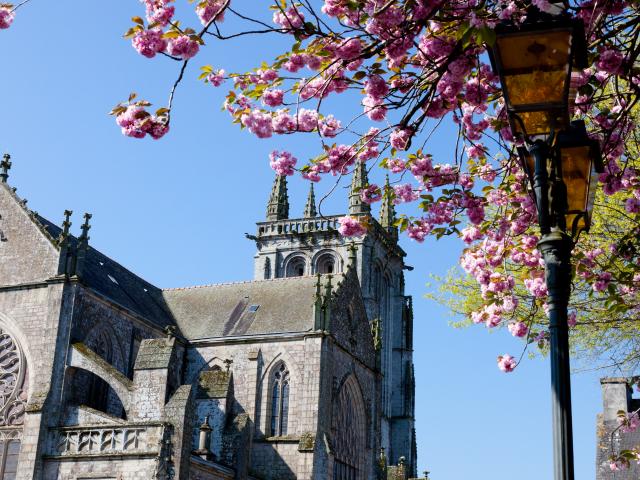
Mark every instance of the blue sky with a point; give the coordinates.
(175, 212)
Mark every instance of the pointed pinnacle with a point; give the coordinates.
(278, 206)
(310, 208)
(5, 166)
(388, 211)
(84, 238)
(66, 224)
(359, 181)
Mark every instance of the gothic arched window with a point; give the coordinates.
(326, 264)
(349, 432)
(279, 402)
(296, 267)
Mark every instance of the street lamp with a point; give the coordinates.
(535, 61)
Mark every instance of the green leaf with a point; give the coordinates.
(138, 20)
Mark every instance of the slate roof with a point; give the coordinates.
(283, 305)
(118, 284)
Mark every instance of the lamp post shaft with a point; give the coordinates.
(555, 247)
(556, 251)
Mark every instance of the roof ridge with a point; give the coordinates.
(242, 282)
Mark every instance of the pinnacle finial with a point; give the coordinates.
(66, 224)
(388, 211)
(310, 208)
(359, 181)
(84, 238)
(5, 166)
(278, 206)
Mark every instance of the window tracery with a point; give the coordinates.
(13, 399)
(327, 263)
(349, 432)
(279, 410)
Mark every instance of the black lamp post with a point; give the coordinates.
(534, 61)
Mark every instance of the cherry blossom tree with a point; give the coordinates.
(407, 67)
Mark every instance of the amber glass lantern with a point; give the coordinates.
(534, 62)
(577, 162)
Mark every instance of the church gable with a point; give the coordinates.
(27, 252)
(348, 321)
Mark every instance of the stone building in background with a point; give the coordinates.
(610, 438)
(303, 373)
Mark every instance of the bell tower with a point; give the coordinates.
(311, 244)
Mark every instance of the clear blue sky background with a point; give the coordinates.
(175, 211)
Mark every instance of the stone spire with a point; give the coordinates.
(5, 166)
(278, 206)
(310, 208)
(388, 212)
(359, 181)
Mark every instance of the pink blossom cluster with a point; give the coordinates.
(371, 194)
(210, 10)
(183, 47)
(290, 19)
(159, 12)
(282, 162)
(149, 42)
(628, 422)
(216, 78)
(6, 17)
(506, 363)
(136, 122)
(351, 226)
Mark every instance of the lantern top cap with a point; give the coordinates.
(538, 21)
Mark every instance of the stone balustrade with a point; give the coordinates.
(135, 439)
(298, 225)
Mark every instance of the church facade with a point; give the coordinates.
(305, 372)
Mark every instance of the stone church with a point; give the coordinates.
(304, 372)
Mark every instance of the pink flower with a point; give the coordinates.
(518, 329)
(329, 126)
(6, 17)
(632, 205)
(572, 319)
(282, 162)
(404, 193)
(283, 122)
(216, 78)
(273, 98)
(396, 165)
(149, 42)
(258, 123)
(470, 234)
(536, 286)
(374, 108)
(419, 230)
(183, 47)
(292, 18)
(159, 12)
(351, 227)
(349, 49)
(602, 282)
(371, 194)
(506, 363)
(376, 87)
(208, 10)
(136, 122)
(610, 61)
(401, 138)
